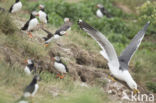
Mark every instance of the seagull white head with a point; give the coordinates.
(132, 84)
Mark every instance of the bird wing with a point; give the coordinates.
(25, 27)
(49, 33)
(102, 41)
(127, 54)
(29, 88)
(11, 8)
(106, 13)
(64, 27)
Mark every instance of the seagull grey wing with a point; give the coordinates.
(127, 54)
(106, 46)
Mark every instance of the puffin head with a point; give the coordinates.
(29, 61)
(41, 6)
(35, 13)
(99, 6)
(37, 77)
(66, 19)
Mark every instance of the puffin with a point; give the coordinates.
(59, 66)
(118, 66)
(29, 67)
(102, 11)
(50, 37)
(32, 88)
(43, 17)
(17, 6)
(31, 24)
(64, 28)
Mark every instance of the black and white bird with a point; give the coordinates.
(17, 6)
(102, 11)
(64, 28)
(60, 32)
(118, 65)
(60, 66)
(31, 24)
(32, 88)
(29, 67)
(43, 17)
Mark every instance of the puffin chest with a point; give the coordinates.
(99, 13)
(32, 24)
(60, 67)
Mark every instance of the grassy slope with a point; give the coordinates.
(11, 90)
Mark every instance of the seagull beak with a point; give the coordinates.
(135, 91)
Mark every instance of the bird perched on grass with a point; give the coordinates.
(118, 65)
(32, 88)
(29, 67)
(17, 6)
(31, 24)
(59, 66)
(43, 17)
(102, 11)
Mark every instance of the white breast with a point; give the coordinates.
(42, 17)
(60, 67)
(27, 70)
(33, 24)
(16, 7)
(36, 88)
(27, 94)
(99, 13)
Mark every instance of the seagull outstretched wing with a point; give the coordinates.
(127, 54)
(106, 46)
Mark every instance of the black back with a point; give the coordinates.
(31, 87)
(48, 36)
(105, 12)
(25, 27)
(13, 5)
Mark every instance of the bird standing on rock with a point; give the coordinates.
(31, 24)
(117, 65)
(16, 7)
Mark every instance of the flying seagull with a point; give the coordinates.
(118, 65)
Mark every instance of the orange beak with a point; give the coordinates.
(53, 59)
(25, 61)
